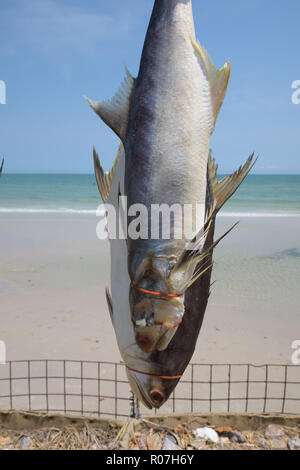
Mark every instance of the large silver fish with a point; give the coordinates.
(164, 119)
(153, 376)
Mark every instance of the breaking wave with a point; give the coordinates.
(22, 210)
(99, 213)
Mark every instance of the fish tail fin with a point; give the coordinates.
(115, 112)
(105, 180)
(218, 79)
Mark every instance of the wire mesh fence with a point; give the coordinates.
(101, 388)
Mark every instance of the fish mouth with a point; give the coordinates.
(157, 397)
(154, 399)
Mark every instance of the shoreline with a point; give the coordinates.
(95, 212)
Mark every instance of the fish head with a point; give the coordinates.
(153, 391)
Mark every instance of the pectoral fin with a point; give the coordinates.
(105, 180)
(218, 79)
(115, 112)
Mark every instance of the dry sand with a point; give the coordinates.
(53, 274)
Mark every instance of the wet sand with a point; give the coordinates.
(53, 274)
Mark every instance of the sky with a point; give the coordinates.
(55, 52)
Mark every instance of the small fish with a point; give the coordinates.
(165, 118)
(153, 376)
(169, 365)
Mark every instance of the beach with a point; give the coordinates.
(197, 164)
(54, 270)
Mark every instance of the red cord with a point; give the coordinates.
(154, 375)
(159, 294)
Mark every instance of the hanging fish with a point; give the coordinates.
(165, 118)
(153, 376)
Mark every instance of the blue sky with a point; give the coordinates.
(53, 52)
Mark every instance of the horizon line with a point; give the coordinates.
(93, 174)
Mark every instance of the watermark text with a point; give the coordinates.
(296, 95)
(2, 352)
(2, 92)
(295, 358)
(157, 222)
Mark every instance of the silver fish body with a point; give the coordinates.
(164, 119)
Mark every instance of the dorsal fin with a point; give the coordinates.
(115, 112)
(218, 79)
(105, 180)
(224, 189)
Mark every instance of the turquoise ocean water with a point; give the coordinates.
(259, 195)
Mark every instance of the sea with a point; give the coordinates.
(258, 196)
